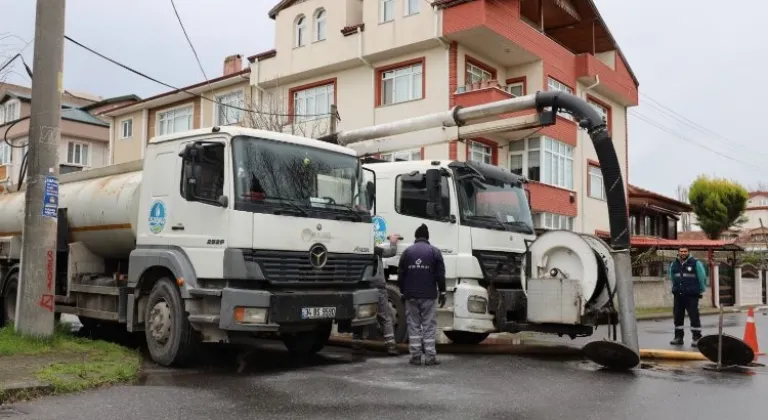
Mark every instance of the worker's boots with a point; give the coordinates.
(431, 361)
(678, 340)
(392, 349)
(695, 339)
(415, 360)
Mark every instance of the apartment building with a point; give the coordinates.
(384, 60)
(84, 136)
(132, 125)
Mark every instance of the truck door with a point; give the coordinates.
(199, 225)
(410, 205)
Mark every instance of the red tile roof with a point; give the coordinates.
(648, 241)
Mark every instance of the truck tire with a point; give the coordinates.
(466, 337)
(8, 301)
(398, 311)
(307, 342)
(170, 338)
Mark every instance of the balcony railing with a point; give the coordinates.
(514, 89)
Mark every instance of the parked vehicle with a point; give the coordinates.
(217, 234)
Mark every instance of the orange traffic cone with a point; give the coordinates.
(750, 333)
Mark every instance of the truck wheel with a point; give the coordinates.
(307, 342)
(397, 309)
(8, 315)
(170, 338)
(466, 337)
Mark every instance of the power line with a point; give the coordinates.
(189, 41)
(689, 140)
(184, 90)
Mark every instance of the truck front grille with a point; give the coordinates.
(501, 267)
(295, 267)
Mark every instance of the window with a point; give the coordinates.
(477, 74)
(603, 111)
(400, 155)
(412, 7)
(553, 84)
(554, 166)
(225, 113)
(301, 31)
(387, 11)
(174, 121)
(553, 221)
(515, 89)
(9, 111)
(402, 84)
(5, 153)
(320, 25)
(411, 195)
(312, 103)
(479, 152)
(210, 177)
(77, 153)
(2, 114)
(126, 129)
(596, 186)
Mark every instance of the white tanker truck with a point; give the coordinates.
(217, 233)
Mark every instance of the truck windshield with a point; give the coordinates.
(494, 204)
(299, 180)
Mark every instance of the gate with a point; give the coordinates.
(750, 285)
(727, 284)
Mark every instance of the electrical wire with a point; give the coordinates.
(138, 73)
(653, 123)
(189, 41)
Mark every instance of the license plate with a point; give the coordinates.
(318, 313)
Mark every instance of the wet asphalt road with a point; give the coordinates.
(339, 385)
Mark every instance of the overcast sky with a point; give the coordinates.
(695, 57)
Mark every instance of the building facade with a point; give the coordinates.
(84, 136)
(379, 61)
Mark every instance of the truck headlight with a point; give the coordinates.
(245, 315)
(477, 304)
(367, 311)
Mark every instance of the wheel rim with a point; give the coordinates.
(160, 322)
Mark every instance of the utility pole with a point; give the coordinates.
(334, 118)
(35, 301)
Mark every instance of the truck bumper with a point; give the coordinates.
(470, 308)
(281, 309)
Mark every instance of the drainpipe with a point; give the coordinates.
(581, 156)
(361, 57)
(437, 36)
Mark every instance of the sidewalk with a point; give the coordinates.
(65, 363)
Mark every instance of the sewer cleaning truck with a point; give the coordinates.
(217, 234)
(500, 276)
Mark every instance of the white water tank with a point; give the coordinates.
(102, 208)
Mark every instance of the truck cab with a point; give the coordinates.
(478, 215)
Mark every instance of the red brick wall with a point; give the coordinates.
(546, 198)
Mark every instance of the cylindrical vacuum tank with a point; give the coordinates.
(101, 212)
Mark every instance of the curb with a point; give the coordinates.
(532, 349)
(14, 391)
(703, 311)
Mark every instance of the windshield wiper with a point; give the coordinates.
(490, 219)
(349, 209)
(290, 204)
(522, 224)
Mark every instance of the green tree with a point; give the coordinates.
(718, 203)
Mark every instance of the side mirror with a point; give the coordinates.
(190, 189)
(434, 193)
(191, 153)
(370, 193)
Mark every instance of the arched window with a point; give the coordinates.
(301, 31)
(320, 24)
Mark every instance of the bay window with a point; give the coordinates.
(551, 164)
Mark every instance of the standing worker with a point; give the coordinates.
(689, 282)
(421, 273)
(380, 282)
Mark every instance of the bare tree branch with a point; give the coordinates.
(270, 111)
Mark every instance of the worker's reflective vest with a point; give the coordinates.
(685, 280)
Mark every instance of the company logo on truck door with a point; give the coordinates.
(157, 216)
(379, 230)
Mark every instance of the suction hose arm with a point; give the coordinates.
(606, 155)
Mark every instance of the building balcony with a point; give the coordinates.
(572, 41)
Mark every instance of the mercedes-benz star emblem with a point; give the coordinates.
(319, 226)
(318, 256)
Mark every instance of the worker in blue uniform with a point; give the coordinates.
(689, 282)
